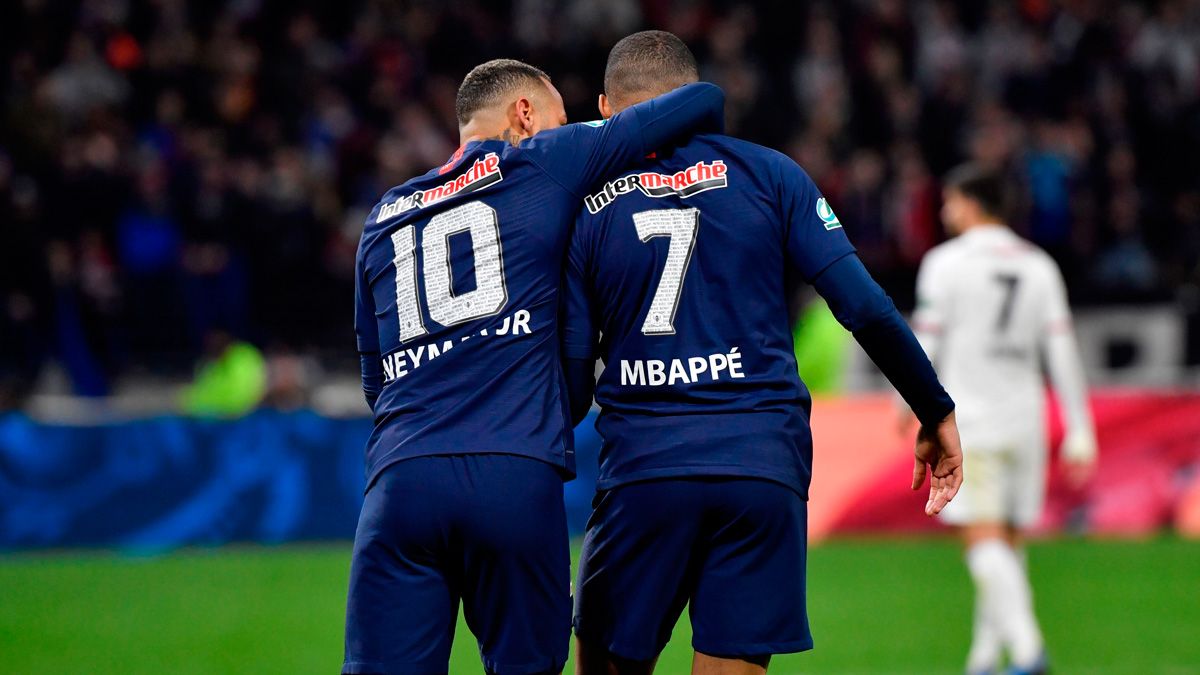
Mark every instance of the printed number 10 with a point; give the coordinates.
(490, 294)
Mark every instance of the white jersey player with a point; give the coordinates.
(990, 306)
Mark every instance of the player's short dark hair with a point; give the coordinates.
(980, 184)
(649, 62)
(488, 82)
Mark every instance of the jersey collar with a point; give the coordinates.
(988, 230)
(454, 159)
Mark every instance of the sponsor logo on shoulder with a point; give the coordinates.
(596, 123)
(483, 173)
(683, 184)
(825, 213)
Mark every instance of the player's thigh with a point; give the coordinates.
(593, 659)
(636, 571)
(402, 603)
(703, 664)
(983, 495)
(516, 563)
(750, 593)
(1026, 489)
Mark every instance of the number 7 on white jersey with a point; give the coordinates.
(681, 225)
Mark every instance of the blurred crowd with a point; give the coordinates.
(174, 173)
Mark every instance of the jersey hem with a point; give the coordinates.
(533, 668)
(368, 667)
(751, 649)
(565, 468)
(710, 470)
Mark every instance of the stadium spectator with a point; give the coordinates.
(164, 152)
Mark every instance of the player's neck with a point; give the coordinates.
(984, 226)
(483, 131)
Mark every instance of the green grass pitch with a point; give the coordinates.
(876, 606)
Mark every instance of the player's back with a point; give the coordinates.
(688, 256)
(996, 296)
(462, 266)
(457, 285)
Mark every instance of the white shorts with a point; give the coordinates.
(1000, 486)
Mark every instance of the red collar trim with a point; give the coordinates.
(453, 159)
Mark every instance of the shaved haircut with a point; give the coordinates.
(646, 64)
(488, 84)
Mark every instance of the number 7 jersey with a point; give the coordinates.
(458, 276)
(681, 265)
(987, 302)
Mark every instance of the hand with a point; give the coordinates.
(939, 448)
(1079, 458)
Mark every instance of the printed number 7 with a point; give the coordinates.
(681, 225)
(1010, 283)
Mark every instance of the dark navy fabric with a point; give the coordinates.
(487, 377)
(734, 548)
(719, 393)
(864, 309)
(435, 530)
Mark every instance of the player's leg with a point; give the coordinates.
(987, 645)
(1004, 609)
(516, 563)
(592, 657)
(402, 604)
(750, 595)
(1026, 491)
(635, 574)
(979, 513)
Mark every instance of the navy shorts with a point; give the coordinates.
(489, 530)
(733, 548)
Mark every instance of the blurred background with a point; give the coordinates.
(183, 184)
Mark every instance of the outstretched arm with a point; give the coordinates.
(928, 319)
(695, 108)
(865, 310)
(818, 248)
(579, 155)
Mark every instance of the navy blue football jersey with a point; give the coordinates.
(676, 279)
(458, 276)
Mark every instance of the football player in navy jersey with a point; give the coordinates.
(458, 276)
(676, 278)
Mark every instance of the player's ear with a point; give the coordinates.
(521, 117)
(606, 110)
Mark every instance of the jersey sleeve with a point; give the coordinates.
(577, 317)
(578, 155)
(813, 235)
(865, 309)
(1057, 316)
(366, 332)
(1066, 370)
